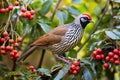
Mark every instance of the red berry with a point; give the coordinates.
(116, 51)
(74, 72)
(31, 17)
(32, 12)
(95, 53)
(2, 40)
(110, 54)
(116, 62)
(12, 54)
(8, 47)
(31, 67)
(28, 14)
(119, 53)
(73, 66)
(7, 10)
(3, 52)
(11, 41)
(77, 68)
(2, 47)
(19, 39)
(34, 70)
(10, 7)
(102, 56)
(16, 55)
(5, 33)
(115, 56)
(16, 3)
(99, 50)
(16, 44)
(2, 10)
(15, 52)
(23, 9)
(76, 63)
(106, 65)
(24, 15)
(6, 37)
(107, 59)
(98, 57)
(112, 60)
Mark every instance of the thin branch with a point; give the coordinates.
(41, 58)
(55, 10)
(13, 69)
(97, 24)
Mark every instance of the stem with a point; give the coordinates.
(41, 58)
(55, 10)
(13, 69)
(97, 24)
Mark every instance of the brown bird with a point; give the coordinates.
(62, 38)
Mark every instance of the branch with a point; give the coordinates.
(97, 24)
(41, 58)
(13, 69)
(55, 10)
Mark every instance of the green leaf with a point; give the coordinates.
(62, 72)
(62, 16)
(46, 7)
(45, 27)
(87, 74)
(76, 1)
(73, 10)
(37, 78)
(86, 61)
(45, 71)
(112, 35)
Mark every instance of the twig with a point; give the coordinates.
(41, 58)
(97, 24)
(55, 10)
(13, 69)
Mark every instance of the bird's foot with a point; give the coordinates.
(62, 59)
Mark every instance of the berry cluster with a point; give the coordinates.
(27, 14)
(32, 68)
(9, 8)
(6, 10)
(10, 47)
(111, 57)
(75, 68)
(97, 54)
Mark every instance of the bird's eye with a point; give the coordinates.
(85, 18)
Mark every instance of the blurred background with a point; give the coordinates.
(52, 13)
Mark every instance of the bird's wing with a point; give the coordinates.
(52, 37)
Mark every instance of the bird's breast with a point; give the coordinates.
(69, 41)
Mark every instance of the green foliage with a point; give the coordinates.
(46, 7)
(106, 36)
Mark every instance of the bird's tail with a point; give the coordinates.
(26, 54)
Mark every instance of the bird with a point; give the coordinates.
(61, 39)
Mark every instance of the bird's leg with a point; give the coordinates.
(62, 59)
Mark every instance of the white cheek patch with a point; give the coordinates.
(83, 20)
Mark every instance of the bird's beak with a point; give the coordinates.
(92, 21)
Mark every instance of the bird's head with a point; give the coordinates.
(83, 20)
